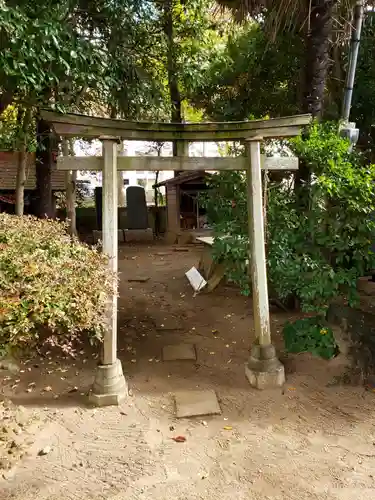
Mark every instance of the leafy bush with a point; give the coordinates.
(310, 335)
(313, 255)
(52, 289)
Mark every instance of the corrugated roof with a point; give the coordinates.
(182, 178)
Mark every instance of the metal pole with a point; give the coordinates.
(353, 57)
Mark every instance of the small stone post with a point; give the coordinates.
(263, 368)
(110, 386)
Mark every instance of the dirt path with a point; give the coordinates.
(313, 440)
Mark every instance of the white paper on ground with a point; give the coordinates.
(196, 280)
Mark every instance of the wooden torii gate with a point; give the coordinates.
(263, 368)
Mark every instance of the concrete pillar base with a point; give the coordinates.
(110, 387)
(263, 369)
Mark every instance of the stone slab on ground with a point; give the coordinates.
(179, 352)
(139, 279)
(132, 235)
(196, 403)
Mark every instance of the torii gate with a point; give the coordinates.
(263, 368)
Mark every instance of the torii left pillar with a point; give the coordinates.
(110, 387)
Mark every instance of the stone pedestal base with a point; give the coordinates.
(263, 369)
(110, 387)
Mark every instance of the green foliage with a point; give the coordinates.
(43, 54)
(315, 255)
(12, 133)
(246, 75)
(310, 335)
(52, 289)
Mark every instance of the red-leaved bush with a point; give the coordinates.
(52, 289)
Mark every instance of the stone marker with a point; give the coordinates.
(99, 206)
(196, 403)
(137, 216)
(179, 352)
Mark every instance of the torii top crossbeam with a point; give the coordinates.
(73, 125)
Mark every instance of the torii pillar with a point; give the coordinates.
(263, 369)
(110, 387)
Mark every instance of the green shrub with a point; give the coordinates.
(52, 289)
(314, 255)
(310, 335)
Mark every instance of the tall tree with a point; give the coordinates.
(79, 55)
(314, 21)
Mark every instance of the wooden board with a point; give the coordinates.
(207, 240)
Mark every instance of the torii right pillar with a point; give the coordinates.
(264, 370)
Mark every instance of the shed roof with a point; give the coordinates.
(183, 178)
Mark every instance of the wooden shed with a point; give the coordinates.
(185, 213)
(8, 175)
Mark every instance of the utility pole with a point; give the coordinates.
(348, 129)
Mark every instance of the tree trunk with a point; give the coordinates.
(316, 69)
(25, 118)
(317, 55)
(43, 170)
(6, 98)
(120, 177)
(180, 148)
(70, 190)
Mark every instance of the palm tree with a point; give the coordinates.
(314, 19)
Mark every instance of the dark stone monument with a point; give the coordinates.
(98, 207)
(137, 216)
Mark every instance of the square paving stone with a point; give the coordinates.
(179, 352)
(196, 403)
(139, 279)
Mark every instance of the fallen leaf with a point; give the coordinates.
(179, 439)
(228, 428)
(44, 451)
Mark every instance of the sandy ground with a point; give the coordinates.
(312, 440)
